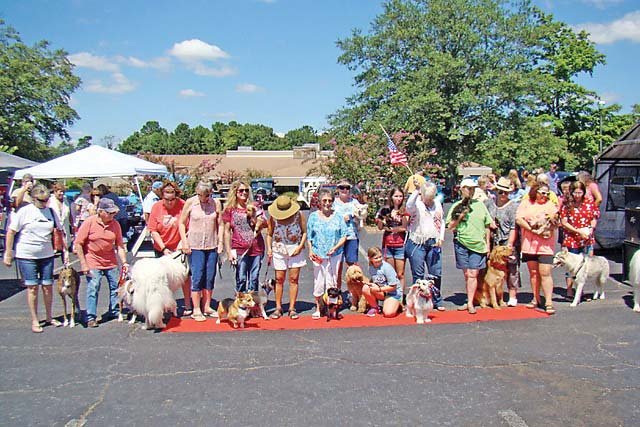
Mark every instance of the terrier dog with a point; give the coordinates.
(420, 300)
(236, 310)
(583, 267)
(490, 289)
(360, 212)
(332, 299)
(355, 281)
(67, 285)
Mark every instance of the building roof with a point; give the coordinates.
(627, 147)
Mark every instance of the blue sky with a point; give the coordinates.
(272, 62)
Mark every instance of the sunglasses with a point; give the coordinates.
(502, 192)
(326, 201)
(543, 193)
(344, 187)
(242, 190)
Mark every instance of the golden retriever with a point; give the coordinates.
(490, 284)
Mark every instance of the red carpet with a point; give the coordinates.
(351, 320)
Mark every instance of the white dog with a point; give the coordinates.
(360, 213)
(634, 279)
(155, 280)
(125, 299)
(583, 267)
(419, 301)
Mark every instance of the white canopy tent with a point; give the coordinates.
(93, 162)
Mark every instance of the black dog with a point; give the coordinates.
(332, 299)
(461, 210)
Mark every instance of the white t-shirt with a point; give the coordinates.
(149, 201)
(34, 227)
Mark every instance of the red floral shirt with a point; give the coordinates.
(579, 217)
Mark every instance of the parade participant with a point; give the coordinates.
(326, 236)
(62, 210)
(346, 207)
(426, 235)
(471, 227)
(151, 198)
(286, 238)
(393, 219)
(554, 178)
(537, 217)
(21, 196)
(243, 223)
(506, 234)
(80, 205)
(32, 227)
(579, 218)
(164, 226)
(384, 285)
(121, 216)
(202, 238)
(97, 241)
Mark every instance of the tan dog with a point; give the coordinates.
(490, 289)
(236, 310)
(67, 285)
(355, 281)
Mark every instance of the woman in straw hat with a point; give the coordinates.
(286, 237)
(506, 234)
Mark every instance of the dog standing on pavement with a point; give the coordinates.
(582, 268)
(67, 286)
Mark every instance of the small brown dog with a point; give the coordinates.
(237, 310)
(490, 285)
(67, 285)
(355, 281)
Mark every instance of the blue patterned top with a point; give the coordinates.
(349, 208)
(324, 234)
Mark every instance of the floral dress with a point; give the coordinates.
(579, 216)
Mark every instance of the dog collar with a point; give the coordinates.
(425, 296)
(502, 267)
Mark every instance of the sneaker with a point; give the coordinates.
(512, 302)
(372, 312)
(92, 323)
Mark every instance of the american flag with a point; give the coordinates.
(397, 157)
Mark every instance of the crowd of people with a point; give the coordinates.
(492, 211)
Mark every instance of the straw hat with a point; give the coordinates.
(283, 207)
(504, 184)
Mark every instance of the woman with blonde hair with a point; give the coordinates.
(201, 233)
(243, 223)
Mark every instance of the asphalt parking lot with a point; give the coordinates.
(579, 367)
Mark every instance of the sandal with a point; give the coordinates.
(531, 304)
(213, 314)
(198, 317)
(36, 328)
(276, 314)
(293, 315)
(53, 322)
(549, 309)
(187, 311)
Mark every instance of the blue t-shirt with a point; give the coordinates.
(349, 208)
(386, 275)
(324, 235)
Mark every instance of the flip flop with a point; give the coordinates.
(198, 317)
(213, 314)
(187, 312)
(36, 329)
(53, 322)
(276, 314)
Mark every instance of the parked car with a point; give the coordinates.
(264, 191)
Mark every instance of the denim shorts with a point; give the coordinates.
(36, 271)
(350, 253)
(586, 250)
(395, 295)
(468, 259)
(395, 253)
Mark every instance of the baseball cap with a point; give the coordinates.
(156, 185)
(468, 182)
(108, 205)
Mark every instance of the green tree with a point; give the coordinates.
(84, 142)
(302, 135)
(36, 84)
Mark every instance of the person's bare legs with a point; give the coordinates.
(471, 279)
(47, 293)
(32, 303)
(294, 278)
(280, 278)
(534, 274)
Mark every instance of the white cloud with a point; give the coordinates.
(248, 88)
(196, 50)
(610, 98)
(625, 28)
(161, 63)
(120, 84)
(94, 62)
(602, 4)
(190, 93)
(280, 134)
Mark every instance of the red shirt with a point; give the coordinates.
(579, 217)
(242, 232)
(166, 223)
(99, 241)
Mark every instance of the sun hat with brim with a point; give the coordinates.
(468, 182)
(283, 207)
(108, 205)
(504, 184)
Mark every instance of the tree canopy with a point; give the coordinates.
(36, 84)
(484, 80)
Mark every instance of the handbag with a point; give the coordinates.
(57, 238)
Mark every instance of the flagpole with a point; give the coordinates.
(387, 135)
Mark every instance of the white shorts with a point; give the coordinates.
(284, 262)
(325, 275)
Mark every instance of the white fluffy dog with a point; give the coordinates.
(419, 300)
(634, 279)
(155, 280)
(582, 268)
